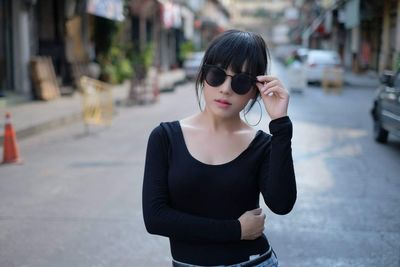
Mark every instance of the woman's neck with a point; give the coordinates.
(220, 124)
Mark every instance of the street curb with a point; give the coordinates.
(42, 127)
(358, 85)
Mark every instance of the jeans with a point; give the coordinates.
(270, 262)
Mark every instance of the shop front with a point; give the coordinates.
(6, 80)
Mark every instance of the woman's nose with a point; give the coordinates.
(225, 88)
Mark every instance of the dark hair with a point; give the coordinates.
(239, 50)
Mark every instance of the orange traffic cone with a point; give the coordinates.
(10, 148)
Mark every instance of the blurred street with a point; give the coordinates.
(76, 199)
(124, 66)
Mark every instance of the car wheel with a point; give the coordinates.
(380, 134)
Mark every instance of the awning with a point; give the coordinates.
(171, 15)
(110, 9)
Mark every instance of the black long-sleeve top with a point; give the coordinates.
(197, 205)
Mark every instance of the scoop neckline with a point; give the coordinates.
(214, 165)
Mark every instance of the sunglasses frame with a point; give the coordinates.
(206, 67)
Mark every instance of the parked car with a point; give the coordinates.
(316, 61)
(192, 64)
(302, 52)
(296, 80)
(386, 107)
(283, 51)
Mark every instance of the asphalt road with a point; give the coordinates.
(76, 199)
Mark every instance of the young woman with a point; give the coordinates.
(204, 173)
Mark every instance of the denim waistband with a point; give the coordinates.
(253, 262)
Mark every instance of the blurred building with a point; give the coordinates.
(366, 33)
(6, 74)
(75, 32)
(211, 18)
(266, 17)
(17, 44)
(55, 28)
(66, 30)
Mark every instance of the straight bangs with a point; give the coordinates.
(239, 54)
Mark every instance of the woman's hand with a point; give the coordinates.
(274, 96)
(252, 224)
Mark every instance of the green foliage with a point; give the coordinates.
(397, 63)
(108, 72)
(148, 55)
(125, 69)
(142, 60)
(120, 59)
(261, 12)
(114, 59)
(115, 65)
(185, 49)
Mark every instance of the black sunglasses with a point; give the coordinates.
(241, 83)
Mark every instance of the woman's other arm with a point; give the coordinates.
(277, 178)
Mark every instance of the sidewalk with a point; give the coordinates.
(33, 117)
(363, 80)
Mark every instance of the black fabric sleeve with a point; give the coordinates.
(277, 177)
(160, 218)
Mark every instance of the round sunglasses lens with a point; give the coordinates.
(215, 76)
(241, 84)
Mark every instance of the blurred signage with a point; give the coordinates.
(327, 3)
(292, 13)
(97, 101)
(352, 13)
(171, 15)
(110, 9)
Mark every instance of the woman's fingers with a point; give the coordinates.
(256, 211)
(258, 233)
(252, 224)
(270, 84)
(266, 78)
(266, 81)
(276, 90)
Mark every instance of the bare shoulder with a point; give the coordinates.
(247, 131)
(190, 122)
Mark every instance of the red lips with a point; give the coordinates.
(222, 101)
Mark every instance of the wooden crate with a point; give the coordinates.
(97, 101)
(332, 79)
(44, 78)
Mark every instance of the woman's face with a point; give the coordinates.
(224, 102)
